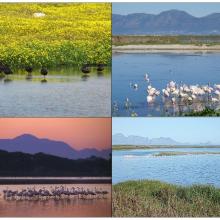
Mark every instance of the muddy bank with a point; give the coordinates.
(165, 48)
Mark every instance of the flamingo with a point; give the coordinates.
(150, 99)
(146, 78)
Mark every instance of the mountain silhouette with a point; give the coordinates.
(172, 22)
(19, 164)
(28, 143)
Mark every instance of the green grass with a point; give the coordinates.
(68, 34)
(157, 199)
(205, 112)
(209, 40)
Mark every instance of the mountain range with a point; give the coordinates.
(30, 144)
(172, 22)
(120, 139)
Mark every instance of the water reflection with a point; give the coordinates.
(7, 80)
(43, 81)
(66, 207)
(62, 90)
(100, 74)
(29, 77)
(85, 77)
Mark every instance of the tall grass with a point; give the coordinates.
(157, 199)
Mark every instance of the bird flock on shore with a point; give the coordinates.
(57, 192)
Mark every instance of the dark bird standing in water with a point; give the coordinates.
(44, 71)
(7, 70)
(29, 69)
(86, 68)
(100, 67)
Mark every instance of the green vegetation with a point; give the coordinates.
(182, 153)
(205, 112)
(68, 34)
(209, 40)
(156, 199)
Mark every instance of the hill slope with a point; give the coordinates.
(21, 164)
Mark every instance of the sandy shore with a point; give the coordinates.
(54, 180)
(178, 48)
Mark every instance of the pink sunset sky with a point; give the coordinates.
(79, 133)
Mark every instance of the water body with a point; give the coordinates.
(65, 92)
(181, 169)
(191, 69)
(73, 207)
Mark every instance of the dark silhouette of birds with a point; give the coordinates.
(100, 67)
(86, 68)
(44, 71)
(29, 69)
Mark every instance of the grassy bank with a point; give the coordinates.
(68, 34)
(161, 154)
(205, 112)
(208, 40)
(157, 199)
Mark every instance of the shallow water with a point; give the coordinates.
(181, 169)
(191, 69)
(57, 208)
(65, 92)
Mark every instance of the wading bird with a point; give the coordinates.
(44, 71)
(86, 68)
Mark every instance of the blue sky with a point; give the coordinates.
(193, 130)
(196, 9)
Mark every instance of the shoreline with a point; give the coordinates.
(130, 147)
(165, 48)
(54, 180)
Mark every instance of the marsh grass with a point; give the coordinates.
(206, 112)
(157, 199)
(198, 40)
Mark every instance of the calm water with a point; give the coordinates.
(183, 170)
(162, 68)
(66, 92)
(57, 208)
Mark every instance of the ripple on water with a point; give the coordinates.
(68, 96)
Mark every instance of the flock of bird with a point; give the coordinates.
(58, 192)
(177, 93)
(86, 68)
